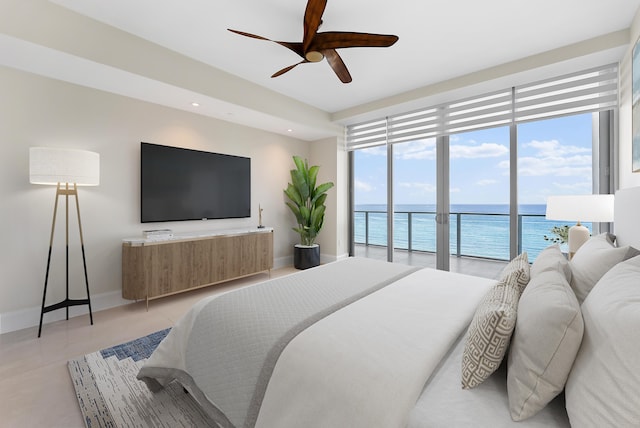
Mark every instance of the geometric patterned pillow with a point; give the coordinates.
(519, 266)
(490, 330)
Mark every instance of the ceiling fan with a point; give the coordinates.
(316, 46)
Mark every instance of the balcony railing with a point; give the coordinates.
(484, 235)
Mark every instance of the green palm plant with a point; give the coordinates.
(306, 200)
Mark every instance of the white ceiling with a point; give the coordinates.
(438, 40)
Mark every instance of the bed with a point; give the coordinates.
(364, 343)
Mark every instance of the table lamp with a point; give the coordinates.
(589, 208)
(66, 169)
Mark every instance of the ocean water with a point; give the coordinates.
(484, 229)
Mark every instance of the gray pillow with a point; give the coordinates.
(632, 253)
(546, 339)
(604, 383)
(593, 260)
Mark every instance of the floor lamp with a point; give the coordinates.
(66, 169)
(591, 208)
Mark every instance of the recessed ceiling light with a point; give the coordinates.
(289, 130)
(195, 104)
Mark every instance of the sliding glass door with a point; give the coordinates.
(469, 179)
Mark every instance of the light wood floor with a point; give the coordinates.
(35, 387)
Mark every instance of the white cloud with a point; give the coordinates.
(361, 186)
(554, 159)
(422, 149)
(484, 150)
(553, 148)
(425, 187)
(375, 151)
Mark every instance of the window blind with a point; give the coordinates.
(586, 91)
(367, 134)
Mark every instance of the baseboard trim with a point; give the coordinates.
(30, 317)
(328, 258)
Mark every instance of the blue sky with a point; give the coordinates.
(554, 157)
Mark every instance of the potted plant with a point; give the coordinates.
(562, 235)
(306, 201)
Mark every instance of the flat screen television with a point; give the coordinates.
(181, 184)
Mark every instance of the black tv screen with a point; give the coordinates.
(182, 184)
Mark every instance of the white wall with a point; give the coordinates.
(625, 177)
(36, 111)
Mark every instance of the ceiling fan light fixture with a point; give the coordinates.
(314, 56)
(317, 46)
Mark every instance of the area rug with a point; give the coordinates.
(110, 395)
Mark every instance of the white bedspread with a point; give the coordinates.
(366, 364)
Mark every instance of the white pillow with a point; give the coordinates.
(604, 383)
(591, 261)
(546, 339)
(551, 259)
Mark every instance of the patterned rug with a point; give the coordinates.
(110, 395)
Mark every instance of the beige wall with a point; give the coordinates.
(625, 177)
(330, 155)
(37, 111)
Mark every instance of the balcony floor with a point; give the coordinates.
(468, 265)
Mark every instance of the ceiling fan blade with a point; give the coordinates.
(337, 65)
(312, 20)
(284, 70)
(344, 39)
(242, 33)
(294, 46)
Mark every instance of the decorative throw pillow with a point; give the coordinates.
(490, 330)
(545, 342)
(632, 253)
(520, 267)
(604, 383)
(593, 260)
(551, 259)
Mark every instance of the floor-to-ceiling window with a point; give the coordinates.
(414, 181)
(480, 169)
(555, 157)
(370, 202)
(479, 193)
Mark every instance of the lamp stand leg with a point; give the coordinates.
(84, 259)
(66, 247)
(46, 275)
(67, 302)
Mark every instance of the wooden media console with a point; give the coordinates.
(153, 268)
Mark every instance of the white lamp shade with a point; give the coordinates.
(589, 208)
(49, 165)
